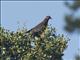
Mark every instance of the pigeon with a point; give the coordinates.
(40, 28)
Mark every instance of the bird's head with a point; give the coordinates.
(48, 17)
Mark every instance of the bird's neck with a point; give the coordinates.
(46, 21)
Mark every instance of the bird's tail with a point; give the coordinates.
(28, 31)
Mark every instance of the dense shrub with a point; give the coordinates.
(20, 46)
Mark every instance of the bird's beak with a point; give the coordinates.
(51, 18)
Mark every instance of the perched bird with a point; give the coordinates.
(39, 29)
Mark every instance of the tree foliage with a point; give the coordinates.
(72, 23)
(74, 6)
(77, 57)
(18, 46)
